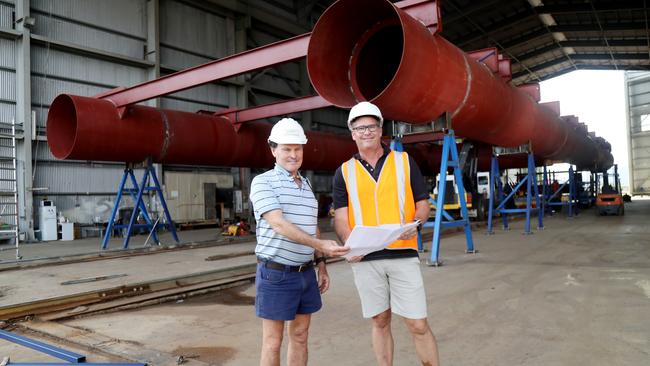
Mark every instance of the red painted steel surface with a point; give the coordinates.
(426, 11)
(396, 62)
(274, 109)
(259, 58)
(90, 129)
(372, 50)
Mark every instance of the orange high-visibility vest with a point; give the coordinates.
(387, 201)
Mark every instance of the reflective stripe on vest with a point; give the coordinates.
(401, 189)
(353, 190)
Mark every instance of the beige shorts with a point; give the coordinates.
(394, 284)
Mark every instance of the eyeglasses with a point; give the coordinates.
(363, 129)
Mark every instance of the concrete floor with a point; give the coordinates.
(32, 252)
(577, 293)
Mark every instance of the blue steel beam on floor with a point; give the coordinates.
(67, 364)
(43, 347)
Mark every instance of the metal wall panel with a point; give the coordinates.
(7, 54)
(60, 64)
(7, 77)
(77, 177)
(639, 99)
(278, 84)
(6, 16)
(257, 38)
(41, 152)
(181, 105)
(261, 98)
(638, 130)
(286, 4)
(7, 112)
(207, 94)
(44, 90)
(283, 79)
(7, 85)
(87, 36)
(282, 8)
(192, 29)
(178, 60)
(636, 89)
(125, 16)
(331, 120)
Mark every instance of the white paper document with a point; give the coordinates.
(368, 239)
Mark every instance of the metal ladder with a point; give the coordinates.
(8, 187)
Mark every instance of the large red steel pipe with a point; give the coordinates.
(372, 50)
(86, 128)
(428, 157)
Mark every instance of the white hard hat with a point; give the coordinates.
(364, 109)
(288, 131)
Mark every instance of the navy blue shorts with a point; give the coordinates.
(282, 294)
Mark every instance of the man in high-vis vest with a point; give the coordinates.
(380, 186)
(288, 248)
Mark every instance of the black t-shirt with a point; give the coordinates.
(340, 196)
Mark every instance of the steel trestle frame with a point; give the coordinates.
(136, 194)
(531, 189)
(396, 144)
(548, 194)
(443, 219)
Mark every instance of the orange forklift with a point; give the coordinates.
(609, 200)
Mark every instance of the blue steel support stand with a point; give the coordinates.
(532, 191)
(572, 203)
(544, 190)
(137, 193)
(573, 193)
(396, 145)
(443, 219)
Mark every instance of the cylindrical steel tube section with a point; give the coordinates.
(86, 128)
(372, 50)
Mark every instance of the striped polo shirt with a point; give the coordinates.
(276, 189)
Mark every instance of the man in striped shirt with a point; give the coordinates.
(288, 248)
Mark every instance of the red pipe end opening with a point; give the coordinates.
(62, 126)
(354, 53)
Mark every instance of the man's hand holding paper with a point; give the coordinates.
(368, 239)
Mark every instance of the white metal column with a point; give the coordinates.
(24, 118)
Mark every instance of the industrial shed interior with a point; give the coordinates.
(130, 132)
